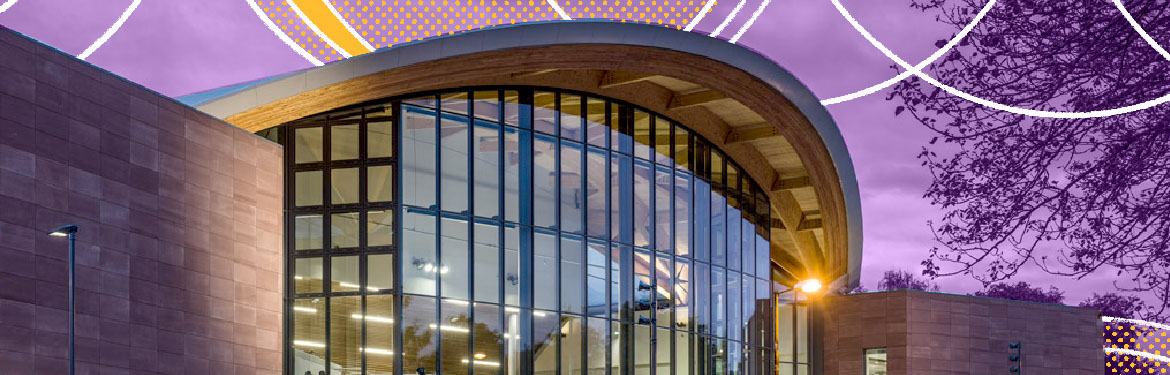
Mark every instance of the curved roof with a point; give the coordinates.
(532, 49)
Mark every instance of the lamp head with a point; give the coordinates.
(810, 286)
(64, 231)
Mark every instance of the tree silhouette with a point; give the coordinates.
(1072, 196)
(902, 279)
(1022, 291)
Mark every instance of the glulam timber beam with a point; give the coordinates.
(613, 79)
(679, 101)
(751, 132)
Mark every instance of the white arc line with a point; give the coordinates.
(293, 5)
(728, 19)
(1109, 319)
(1140, 30)
(994, 105)
(6, 5)
(557, 7)
(348, 26)
(749, 22)
(698, 17)
(1132, 352)
(287, 41)
(110, 31)
(942, 51)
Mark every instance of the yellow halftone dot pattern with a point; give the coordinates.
(384, 23)
(1139, 338)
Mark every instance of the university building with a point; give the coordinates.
(559, 198)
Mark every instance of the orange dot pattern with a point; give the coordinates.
(1140, 338)
(383, 23)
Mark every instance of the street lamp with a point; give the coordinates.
(71, 232)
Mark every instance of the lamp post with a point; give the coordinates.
(71, 232)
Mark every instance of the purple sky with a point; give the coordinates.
(182, 47)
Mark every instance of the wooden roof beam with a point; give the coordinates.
(784, 184)
(751, 132)
(694, 99)
(530, 73)
(614, 78)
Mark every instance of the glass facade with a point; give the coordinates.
(525, 231)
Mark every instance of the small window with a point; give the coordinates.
(875, 361)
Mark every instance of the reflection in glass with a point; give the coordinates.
(643, 181)
(454, 156)
(682, 214)
(595, 283)
(344, 274)
(733, 306)
(572, 194)
(663, 222)
(380, 272)
(733, 240)
(718, 302)
(875, 361)
(309, 275)
(597, 193)
(595, 128)
(641, 348)
(718, 229)
(702, 208)
(487, 262)
(622, 190)
(571, 117)
(572, 275)
(682, 353)
(379, 321)
(455, 329)
(380, 228)
(380, 139)
(307, 142)
(454, 270)
(544, 178)
(486, 105)
(617, 352)
(380, 183)
(343, 186)
(344, 233)
(514, 141)
(511, 265)
(420, 266)
(544, 112)
(309, 231)
(642, 135)
(486, 357)
(344, 142)
(682, 148)
(486, 146)
(663, 290)
(544, 269)
(572, 343)
(420, 339)
(455, 102)
(662, 351)
(595, 346)
(545, 332)
(308, 336)
(345, 333)
(309, 188)
(513, 108)
(644, 293)
(418, 156)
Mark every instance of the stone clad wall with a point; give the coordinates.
(179, 248)
(937, 333)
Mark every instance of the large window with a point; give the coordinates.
(522, 231)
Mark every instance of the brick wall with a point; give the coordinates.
(937, 333)
(179, 248)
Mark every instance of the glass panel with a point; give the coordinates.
(454, 271)
(642, 134)
(380, 272)
(571, 117)
(643, 181)
(644, 292)
(512, 111)
(875, 361)
(308, 336)
(595, 128)
(455, 329)
(719, 355)
(455, 102)
(380, 228)
(598, 193)
(418, 156)
(344, 230)
(454, 158)
(545, 332)
(486, 145)
(343, 186)
(511, 265)
(572, 275)
(544, 270)
(344, 274)
(379, 321)
(734, 358)
(489, 339)
(734, 300)
(733, 241)
(308, 275)
(682, 214)
(595, 283)
(419, 259)
(380, 183)
(595, 346)
(310, 232)
(380, 139)
(663, 223)
(345, 334)
(718, 229)
(662, 351)
(622, 190)
(487, 262)
(487, 105)
(619, 288)
(718, 302)
(682, 148)
(572, 196)
(747, 244)
(514, 142)
(662, 143)
(682, 353)
(702, 298)
(616, 350)
(544, 173)
(801, 333)
(544, 112)
(572, 344)
(763, 256)
(419, 341)
(620, 139)
(716, 168)
(309, 188)
(642, 346)
(702, 207)
(748, 285)
(308, 144)
(786, 332)
(423, 101)
(682, 295)
(512, 340)
(344, 142)
(663, 289)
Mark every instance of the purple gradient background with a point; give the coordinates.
(181, 47)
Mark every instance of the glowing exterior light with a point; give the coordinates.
(810, 286)
(373, 318)
(305, 309)
(451, 328)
